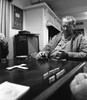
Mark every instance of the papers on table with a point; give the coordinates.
(12, 91)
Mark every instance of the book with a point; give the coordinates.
(12, 91)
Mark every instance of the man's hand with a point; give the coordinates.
(63, 54)
(55, 54)
(59, 54)
(78, 86)
(42, 55)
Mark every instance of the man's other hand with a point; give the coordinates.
(63, 54)
(42, 55)
(78, 86)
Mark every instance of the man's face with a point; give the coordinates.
(67, 26)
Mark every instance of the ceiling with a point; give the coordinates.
(66, 6)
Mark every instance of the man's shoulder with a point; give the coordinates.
(59, 34)
(80, 37)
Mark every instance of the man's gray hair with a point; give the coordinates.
(70, 19)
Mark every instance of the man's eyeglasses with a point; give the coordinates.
(66, 26)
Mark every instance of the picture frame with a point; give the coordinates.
(17, 18)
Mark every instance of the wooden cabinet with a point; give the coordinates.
(25, 44)
(37, 19)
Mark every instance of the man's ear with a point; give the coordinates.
(73, 27)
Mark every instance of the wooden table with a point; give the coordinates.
(47, 79)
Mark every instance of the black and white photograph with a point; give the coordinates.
(43, 49)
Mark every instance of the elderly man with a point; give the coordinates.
(66, 44)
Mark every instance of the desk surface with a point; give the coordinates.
(41, 75)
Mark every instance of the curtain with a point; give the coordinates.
(4, 17)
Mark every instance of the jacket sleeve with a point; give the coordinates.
(52, 44)
(81, 48)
